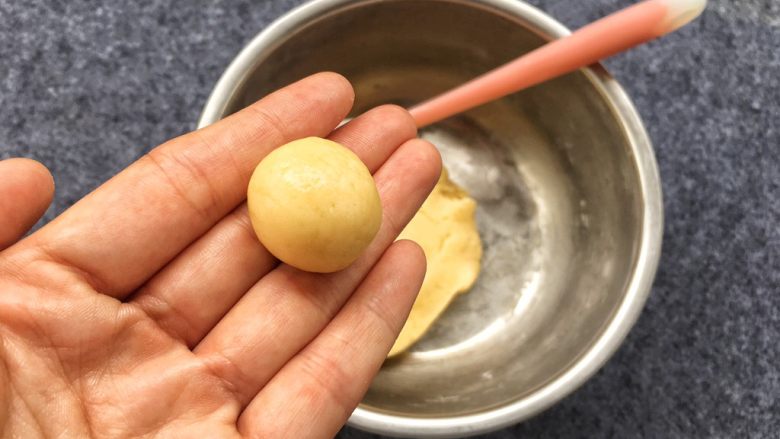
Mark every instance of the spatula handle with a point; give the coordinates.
(601, 39)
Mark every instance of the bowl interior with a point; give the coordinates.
(560, 202)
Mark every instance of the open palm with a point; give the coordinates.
(149, 309)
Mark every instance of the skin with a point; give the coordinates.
(149, 309)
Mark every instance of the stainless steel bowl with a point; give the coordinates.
(569, 201)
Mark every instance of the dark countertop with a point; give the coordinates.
(87, 89)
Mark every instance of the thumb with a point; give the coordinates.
(26, 190)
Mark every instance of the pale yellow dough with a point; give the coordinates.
(446, 229)
(314, 205)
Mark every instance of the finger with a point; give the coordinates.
(189, 296)
(375, 135)
(288, 308)
(26, 191)
(324, 383)
(130, 227)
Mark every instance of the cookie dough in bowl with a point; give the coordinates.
(446, 230)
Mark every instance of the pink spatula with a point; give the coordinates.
(601, 39)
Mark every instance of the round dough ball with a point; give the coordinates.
(314, 205)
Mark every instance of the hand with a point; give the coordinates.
(149, 309)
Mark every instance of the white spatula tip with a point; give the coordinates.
(681, 12)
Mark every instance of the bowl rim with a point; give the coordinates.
(648, 254)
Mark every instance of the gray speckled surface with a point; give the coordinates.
(86, 89)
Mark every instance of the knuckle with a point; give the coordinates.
(188, 179)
